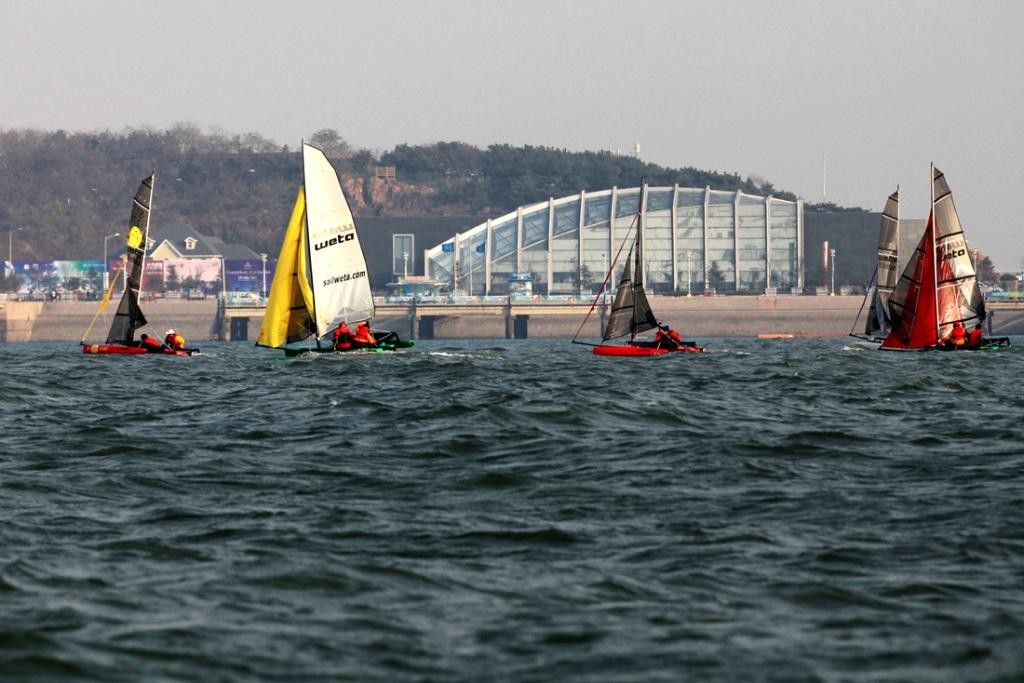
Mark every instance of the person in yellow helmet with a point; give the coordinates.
(174, 341)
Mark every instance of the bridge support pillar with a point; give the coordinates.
(239, 329)
(520, 327)
(426, 327)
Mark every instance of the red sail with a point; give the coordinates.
(913, 306)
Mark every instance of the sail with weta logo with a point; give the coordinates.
(886, 273)
(321, 277)
(939, 286)
(129, 315)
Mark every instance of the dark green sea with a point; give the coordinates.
(799, 510)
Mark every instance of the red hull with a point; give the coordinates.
(638, 350)
(122, 350)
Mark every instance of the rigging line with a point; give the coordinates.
(608, 275)
(874, 275)
(104, 302)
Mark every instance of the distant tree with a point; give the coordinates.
(987, 270)
(330, 142)
(171, 281)
(831, 207)
(10, 282)
(153, 283)
(362, 161)
(715, 277)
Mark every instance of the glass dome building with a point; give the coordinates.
(695, 241)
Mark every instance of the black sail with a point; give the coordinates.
(631, 312)
(620, 319)
(129, 315)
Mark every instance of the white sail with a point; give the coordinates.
(337, 268)
(958, 295)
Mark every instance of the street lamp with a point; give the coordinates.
(10, 244)
(106, 263)
(263, 292)
(832, 253)
(405, 265)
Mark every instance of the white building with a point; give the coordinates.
(695, 240)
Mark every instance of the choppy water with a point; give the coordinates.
(519, 511)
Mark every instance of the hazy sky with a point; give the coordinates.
(753, 87)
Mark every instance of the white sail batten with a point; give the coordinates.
(340, 283)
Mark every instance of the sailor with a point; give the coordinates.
(343, 337)
(151, 344)
(174, 341)
(364, 337)
(959, 336)
(976, 335)
(666, 336)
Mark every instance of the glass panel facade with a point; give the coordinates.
(690, 240)
(598, 209)
(721, 242)
(658, 250)
(535, 228)
(625, 202)
(596, 256)
(567, 218)
(565, 277)
(472, 263)
(752, 245)
(503, 241)
(783, 229)
(535, 261)
(403, 254)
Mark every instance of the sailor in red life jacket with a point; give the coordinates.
(151, 344)
(666, 336)
(343, 337)
(959, 336)
(976, 335)
(364, 337)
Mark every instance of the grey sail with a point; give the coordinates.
(886, 274)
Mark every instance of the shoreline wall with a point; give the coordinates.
(694, 317)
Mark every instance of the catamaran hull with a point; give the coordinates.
(386, 341)
(292, 351)
(988, 345)
(122, 350)
(640, 349)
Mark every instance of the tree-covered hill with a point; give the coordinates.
(66, 191)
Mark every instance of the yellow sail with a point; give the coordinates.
(289, 315)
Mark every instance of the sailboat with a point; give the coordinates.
(939, 287)
(321, 278)
(878, 323)
(631, 312)
(129, 317)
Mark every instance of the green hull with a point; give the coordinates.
(293, 351)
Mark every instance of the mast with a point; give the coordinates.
(145, 232)
(309, 243)
(935, 244)
(638, 261)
